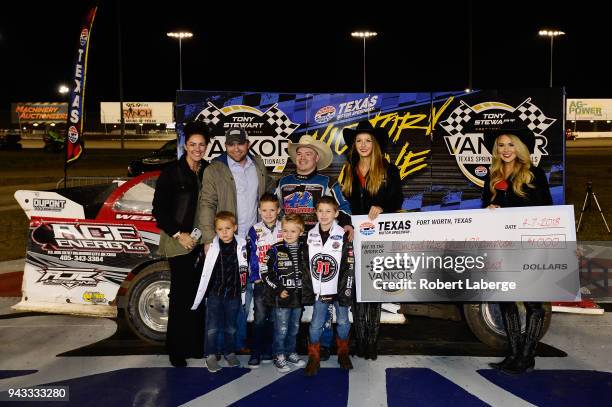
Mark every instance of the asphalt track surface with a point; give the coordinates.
(100, 367)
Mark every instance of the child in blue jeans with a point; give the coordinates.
(332, 273)
(260, 238)
(223, 282)
(286, 266)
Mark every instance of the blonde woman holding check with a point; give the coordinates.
(513, 181)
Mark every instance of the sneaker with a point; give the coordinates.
(232, 360)
(267, 359)
(325, 354)
(295, 359)
(212, 364)
(281, 364)
(254, 361)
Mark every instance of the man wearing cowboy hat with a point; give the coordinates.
(300, 192)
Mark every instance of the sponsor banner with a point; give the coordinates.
(82, 261)
(74, 127)
(435, 139)
(137, 112)
(509, 254)
(39, 112)
(48, 204)
(589, 109)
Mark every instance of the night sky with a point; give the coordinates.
(301, 47)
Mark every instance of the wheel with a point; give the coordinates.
(485, 322)
(148, 302)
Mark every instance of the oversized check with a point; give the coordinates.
(504, 254)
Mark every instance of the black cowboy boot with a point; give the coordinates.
(526, 360)
(512, 325)
(359, 324)
(373, 328)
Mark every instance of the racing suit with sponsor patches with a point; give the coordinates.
(300, 194)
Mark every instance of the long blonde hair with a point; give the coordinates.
(521, 174)
(376, 175)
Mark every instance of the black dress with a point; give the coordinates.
(522, 345)
(174, 207)
(366, 316)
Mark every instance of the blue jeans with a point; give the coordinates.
(263, 322)
(319, 316)
(221, 314)
(243, 314)
(286, 326)
(328, 330)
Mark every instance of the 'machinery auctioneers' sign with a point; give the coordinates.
(39, 112)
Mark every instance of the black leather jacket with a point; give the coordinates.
(176, 197)
(537, 196)
(280, 274)
(389, 197)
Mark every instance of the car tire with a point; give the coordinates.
(148, 303)
(484, 320)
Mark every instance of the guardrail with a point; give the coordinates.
(82, 181)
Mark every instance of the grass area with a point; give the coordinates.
(107, 162)
(28, 167)
(584, 166)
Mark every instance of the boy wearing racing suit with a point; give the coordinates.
(332, 273)
(260, 238)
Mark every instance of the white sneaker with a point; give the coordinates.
(281, 364)
(295, 359)
(232, 360)
(212, 365)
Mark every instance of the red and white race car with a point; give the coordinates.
(92, 250)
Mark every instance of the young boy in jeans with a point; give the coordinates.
(260, 238)
(286, 266)
(223, 282)
(332, 273)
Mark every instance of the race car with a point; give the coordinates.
(93, 250)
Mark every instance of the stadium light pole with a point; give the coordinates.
(364, 35)
(551, 34)
(180, 35)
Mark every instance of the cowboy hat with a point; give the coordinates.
(526, 136)
(325, 154)
(364, 126)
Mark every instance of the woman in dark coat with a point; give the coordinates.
(174, 206)
(372, 186)
(513, 181)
